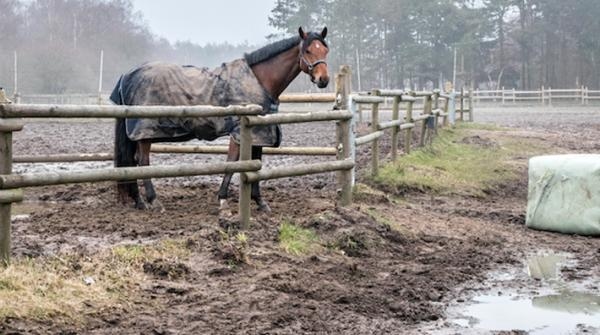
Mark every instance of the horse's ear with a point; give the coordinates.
(324, 32)
(302, 33)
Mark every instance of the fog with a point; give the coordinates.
(388, 44)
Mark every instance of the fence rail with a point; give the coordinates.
(544, 96)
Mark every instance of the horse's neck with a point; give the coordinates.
(277, 73)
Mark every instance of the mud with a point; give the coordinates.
(386, 265)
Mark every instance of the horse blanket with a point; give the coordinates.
(169, 84)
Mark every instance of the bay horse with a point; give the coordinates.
(258, 78)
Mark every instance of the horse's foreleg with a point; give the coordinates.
(255, 195)
(233, 154)
(144, 160)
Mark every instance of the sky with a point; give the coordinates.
(208, 21)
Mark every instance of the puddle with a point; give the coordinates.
(545, 266)
(557, 307)
(551, 314)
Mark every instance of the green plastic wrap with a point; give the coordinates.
(564, 194)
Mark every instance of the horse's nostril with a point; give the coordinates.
(323, 83)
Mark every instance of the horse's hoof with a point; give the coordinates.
(264, 208)
(157, 206)
(224, 210)
(229, 223)
(141, 205)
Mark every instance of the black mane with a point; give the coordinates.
(271, 50)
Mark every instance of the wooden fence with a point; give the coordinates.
(545, 96)
(435, 106)
(11, 120)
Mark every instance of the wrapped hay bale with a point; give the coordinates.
(564, 194)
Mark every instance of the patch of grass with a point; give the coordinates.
(456, 163)
(296, 240)
(480, 126)
(62, 288)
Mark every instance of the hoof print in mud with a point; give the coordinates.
(166, 269)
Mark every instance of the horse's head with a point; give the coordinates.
(313, 55)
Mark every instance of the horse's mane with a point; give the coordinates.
(271, 50)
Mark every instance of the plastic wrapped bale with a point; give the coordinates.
(564, 194)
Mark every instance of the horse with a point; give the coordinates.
(258, 78)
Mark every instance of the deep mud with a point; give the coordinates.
(390, 263)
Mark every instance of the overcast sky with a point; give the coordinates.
(206, 21)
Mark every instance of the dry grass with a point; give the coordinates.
(67, 288)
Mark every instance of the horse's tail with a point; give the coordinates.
(124, 147)
(124, 151)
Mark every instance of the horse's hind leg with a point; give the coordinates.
(143, 152)
(233, 154)
(255, 195)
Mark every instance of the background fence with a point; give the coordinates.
(545, 96)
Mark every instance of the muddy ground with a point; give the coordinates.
(390, 263)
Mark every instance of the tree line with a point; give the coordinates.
(521, 44)
(58, 44)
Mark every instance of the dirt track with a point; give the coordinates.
(374, 278)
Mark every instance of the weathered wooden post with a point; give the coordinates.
(550, 96)
(7, 197)
(436, 106)
(346, 176)
(343, 87)
(396, 129)
(245, 186)
(582, 95)
(543, 96)
(462, 102)
(446, 110)
(409, 119)
(374, 129)
(470, 102)
(343, 81)
(427, 103)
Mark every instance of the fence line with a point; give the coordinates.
(346, 105)
(545, 96)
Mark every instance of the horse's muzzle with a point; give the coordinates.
(322, 83)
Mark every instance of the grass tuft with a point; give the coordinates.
(62, 289)
(296, 240)
(459, 161)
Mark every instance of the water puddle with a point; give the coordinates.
(545, 267)
(557, 310)
(559, 313)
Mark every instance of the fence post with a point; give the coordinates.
(245, 187)
(342, 87)
(503, 99)
(436, 106)
(7, 197)
(587, 95)
(550, 96)
(462, 102)
(424, 124)
(582, 95)
(375, 128)
(408, 119)
(514, 96)
(470, 103)
(395, 130)
(446, 109)
(543, 97)
(346, 176)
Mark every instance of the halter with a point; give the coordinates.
(310, 66)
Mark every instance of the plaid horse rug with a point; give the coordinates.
(232, 83)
